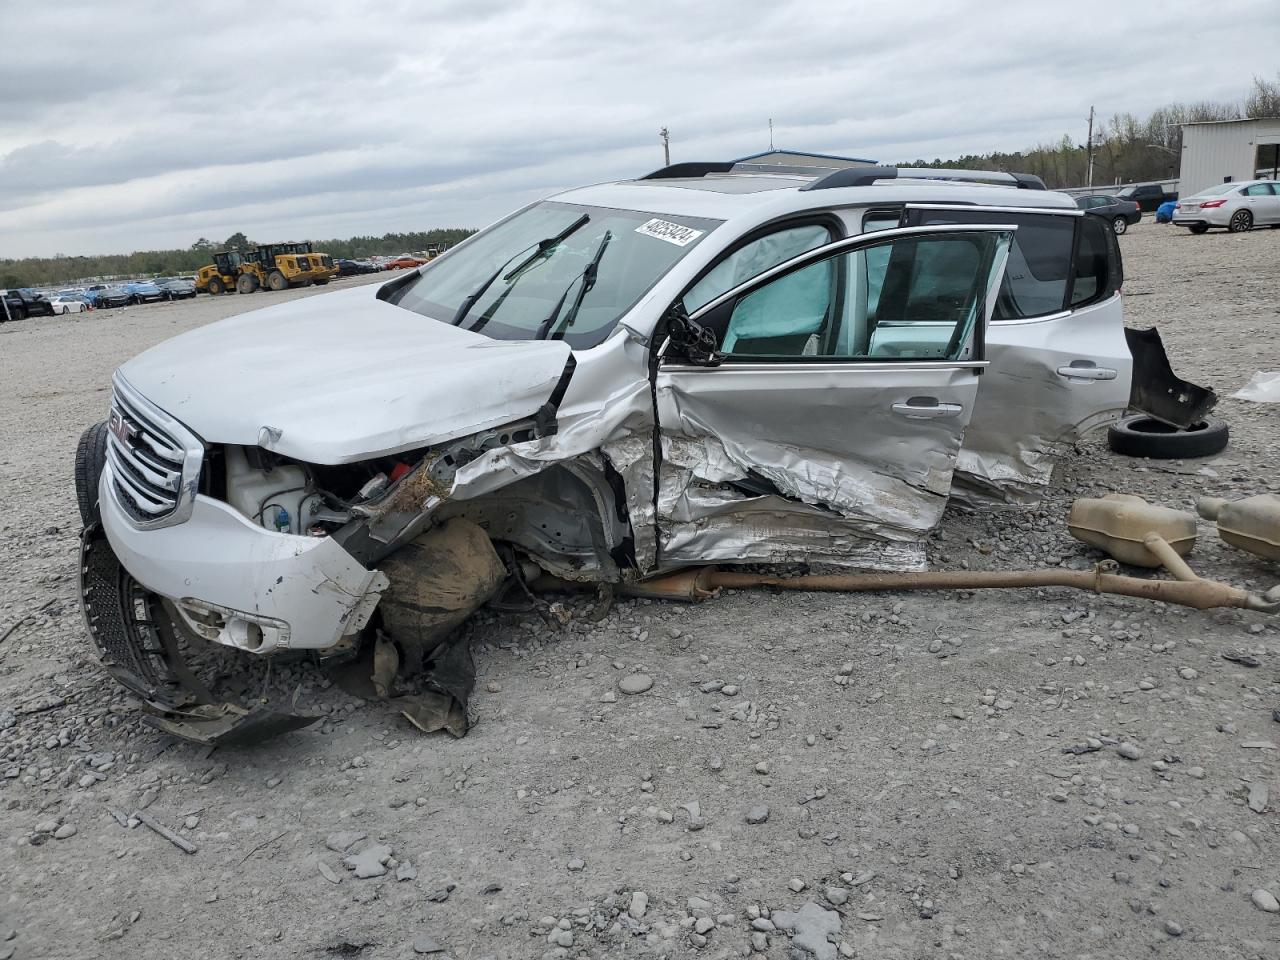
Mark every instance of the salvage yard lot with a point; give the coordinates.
(909, 748)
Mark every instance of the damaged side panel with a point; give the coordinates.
(764, 463)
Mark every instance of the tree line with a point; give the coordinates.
(57, 270)
(1126, 149)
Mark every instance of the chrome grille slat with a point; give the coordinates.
(154, 460)
(167, 480)
(139, 496)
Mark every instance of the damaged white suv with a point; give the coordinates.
(716, 363)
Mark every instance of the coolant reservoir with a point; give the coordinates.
(270, 498)
(1252, 524)
(1119, 522)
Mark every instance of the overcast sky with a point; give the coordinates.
(136, 125)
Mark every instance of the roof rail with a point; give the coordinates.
(690, 169)
(865, 176)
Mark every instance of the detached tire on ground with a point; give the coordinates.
(1144, 436)
(91, 456)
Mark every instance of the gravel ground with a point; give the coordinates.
(878, 776)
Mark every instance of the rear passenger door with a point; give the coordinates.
(1059, 363)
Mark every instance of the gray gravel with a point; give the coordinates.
(944, 772)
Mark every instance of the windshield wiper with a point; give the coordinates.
(542, 247)
(588, 278)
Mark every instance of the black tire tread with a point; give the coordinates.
(1180, 445)
(91, 456)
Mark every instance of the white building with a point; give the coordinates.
(1217, 151)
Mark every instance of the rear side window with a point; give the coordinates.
(1035, 280)
(1056, 263)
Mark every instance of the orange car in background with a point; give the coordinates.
(405, 262)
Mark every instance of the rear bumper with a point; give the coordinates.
(241, 585)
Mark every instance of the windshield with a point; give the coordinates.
(516, 304)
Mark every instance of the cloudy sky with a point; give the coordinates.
(135, 124)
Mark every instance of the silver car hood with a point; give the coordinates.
(343, 377)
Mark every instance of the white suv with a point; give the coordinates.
(714, 363)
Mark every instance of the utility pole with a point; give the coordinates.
(1089, 149)
(666, 146)
(771, 133)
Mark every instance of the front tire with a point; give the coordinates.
(91, 455)
(216, 287)
(246, 283)
(1241, 221)
(1119, 225)
(277, 282)
(1199, 228)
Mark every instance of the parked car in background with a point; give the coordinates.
(20, 304)
(176, 288)
(404, 262)
(143, 291)
(354, 268)
(1121, 213)
(1147, 196)
(1236, 206)
(68, 304)
(111, 296)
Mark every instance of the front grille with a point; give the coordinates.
(155, 462)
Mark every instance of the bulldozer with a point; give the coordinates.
(221, 275)
(276, 266)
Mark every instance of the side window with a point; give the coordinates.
(1091, 265)
(881, 220)
(908, 298)
(1258, 190)
(1035, 282)
(754, 258)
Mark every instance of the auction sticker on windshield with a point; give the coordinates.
(681, 236)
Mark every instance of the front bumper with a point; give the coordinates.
(241, 585)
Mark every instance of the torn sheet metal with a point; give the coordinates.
(1032, 407)
(840, 464)
(706, 518)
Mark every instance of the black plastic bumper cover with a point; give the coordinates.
(138, 645)
(1157, 390)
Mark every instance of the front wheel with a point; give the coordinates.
(277, 282)
(215, 286)
(1199, 228)
(1119, 225)
(1241, 221)
(91, 455)
(246, 283)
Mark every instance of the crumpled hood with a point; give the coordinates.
(343, 377)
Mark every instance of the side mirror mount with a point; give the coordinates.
(690, 341)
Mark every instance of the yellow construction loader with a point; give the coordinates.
(278, 266)
(275, 266)
(221, 275)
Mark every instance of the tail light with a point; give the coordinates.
(1210, 204)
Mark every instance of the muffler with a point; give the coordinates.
(1252, 524)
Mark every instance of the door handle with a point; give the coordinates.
(926, 408)
(1087, 370)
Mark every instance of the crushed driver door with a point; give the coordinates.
(815, 412)
(1059, 361)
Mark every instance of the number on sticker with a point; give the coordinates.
(675, 233)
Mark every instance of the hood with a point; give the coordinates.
(343, 377)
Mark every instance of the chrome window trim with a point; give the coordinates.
(767, 365)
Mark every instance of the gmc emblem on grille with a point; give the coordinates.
(124, 431)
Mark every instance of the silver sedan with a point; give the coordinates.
(1235, 206)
